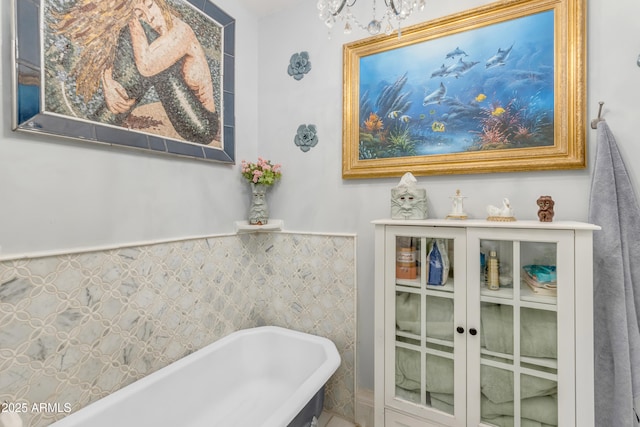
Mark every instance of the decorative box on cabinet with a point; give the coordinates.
(451, 352)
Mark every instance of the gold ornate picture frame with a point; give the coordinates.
(497, 88)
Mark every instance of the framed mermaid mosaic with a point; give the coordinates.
(155, 75)
(499, 88)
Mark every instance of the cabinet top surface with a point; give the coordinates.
(478, 223)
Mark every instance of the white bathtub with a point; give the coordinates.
(260, 377)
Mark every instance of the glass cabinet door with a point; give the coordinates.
(514, 374)
(428, 302)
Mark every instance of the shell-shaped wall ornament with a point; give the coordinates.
(306, 137)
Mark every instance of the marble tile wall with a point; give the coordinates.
(77, 327)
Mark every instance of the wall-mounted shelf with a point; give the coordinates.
(272, 225)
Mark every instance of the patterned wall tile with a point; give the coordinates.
(307, 282)
(75, 328)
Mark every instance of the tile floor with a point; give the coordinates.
(327, 419)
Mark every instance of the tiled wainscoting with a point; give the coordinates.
(77, 327)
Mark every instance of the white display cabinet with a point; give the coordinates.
(450, 351)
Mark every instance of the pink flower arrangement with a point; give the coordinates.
(261, 172)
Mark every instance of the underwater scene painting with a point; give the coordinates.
(490, 88)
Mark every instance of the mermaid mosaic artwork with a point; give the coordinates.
(137, 64)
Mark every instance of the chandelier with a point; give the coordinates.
(335, 11)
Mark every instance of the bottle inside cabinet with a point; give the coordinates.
(406, 258)
(493, 272)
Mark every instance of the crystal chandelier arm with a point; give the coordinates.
(333, 10)
(392, 5)
(343, 3)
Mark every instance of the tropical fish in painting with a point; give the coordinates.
(394, 114)
(498, 112)
(405, 118)
(460, 67)
(499, 59)
(438, 127)
(440, 72)
(456, 52)
(436, 96)
(481, 97)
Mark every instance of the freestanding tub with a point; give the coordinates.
(261, 377)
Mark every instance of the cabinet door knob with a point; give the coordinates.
(473, 331)
(460, 330)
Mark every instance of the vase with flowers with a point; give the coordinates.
(261, 175)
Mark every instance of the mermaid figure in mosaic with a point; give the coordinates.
(131, 47)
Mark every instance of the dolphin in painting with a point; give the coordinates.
(460, 67)
(499, 58)
(436, 96)
(456, 52)
(440, 72)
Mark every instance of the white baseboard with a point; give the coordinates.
(364, 407)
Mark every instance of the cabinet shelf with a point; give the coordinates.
(412, 283)
(418, 338)
(505, 296)
(408, 335)
(536, 361)
(415, 284)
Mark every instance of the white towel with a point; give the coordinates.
(614, 207)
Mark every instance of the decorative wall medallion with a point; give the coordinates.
(299, 65)
(306, 137)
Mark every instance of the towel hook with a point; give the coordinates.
(594, 122)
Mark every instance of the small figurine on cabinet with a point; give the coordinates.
(505, 213)
(407, 200)
(545, 211)
(457, 208)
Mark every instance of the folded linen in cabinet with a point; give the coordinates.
(538, 334)
(442, 402)
(408, 312)
(407, 369)
(438, 375)
(541, 409)
(496, 326)
(439, 313)
(497, 385)
(410, 395)
(439, 318)
(535, 411)
(507, 421)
